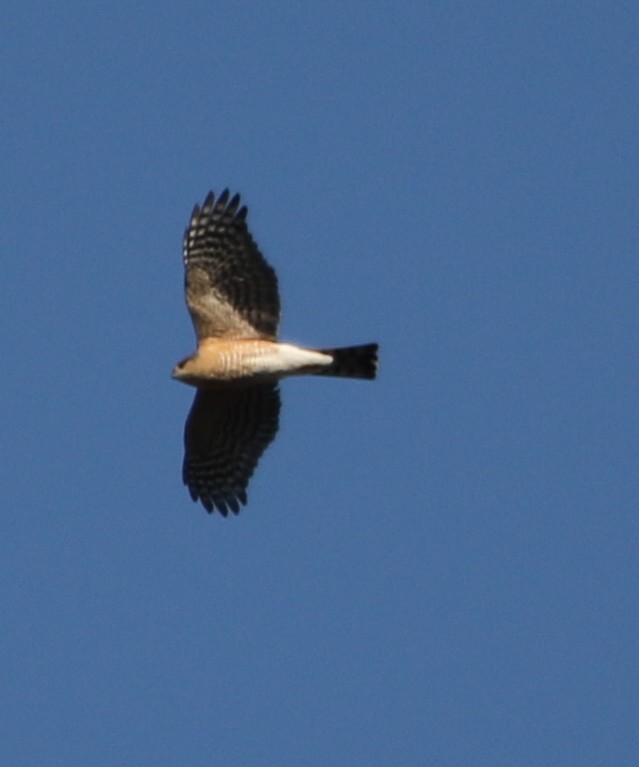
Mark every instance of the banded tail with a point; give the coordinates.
(351, 362)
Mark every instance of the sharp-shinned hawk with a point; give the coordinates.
(233, 300)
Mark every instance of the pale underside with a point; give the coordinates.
(252, 359)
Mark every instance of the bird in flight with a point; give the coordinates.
(232, 297)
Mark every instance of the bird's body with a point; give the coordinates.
(232, 296)
(219, 360)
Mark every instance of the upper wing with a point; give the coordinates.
(225, 435)
(230, 289)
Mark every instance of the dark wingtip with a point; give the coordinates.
(232, 502)
(208, 201)
(234, 204)
(223, 200)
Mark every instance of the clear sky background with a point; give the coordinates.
(438, 568)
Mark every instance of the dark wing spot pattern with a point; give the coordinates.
(227, 431)
(230, 288)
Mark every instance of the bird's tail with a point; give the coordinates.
(351, 362)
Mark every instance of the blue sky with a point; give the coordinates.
(437, 568)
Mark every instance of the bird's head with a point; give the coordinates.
(183, 371)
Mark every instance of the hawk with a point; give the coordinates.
(233, 299)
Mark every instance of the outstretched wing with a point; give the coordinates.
(225, 435)
(230, 289)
